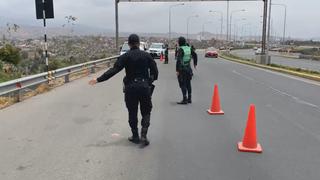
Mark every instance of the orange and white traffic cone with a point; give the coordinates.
(161, 57)
(249, 142)
(215, 105)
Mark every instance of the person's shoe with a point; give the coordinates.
(189, 101)
(183, 102)
(134, 139)
(144, 140)
(135, 136)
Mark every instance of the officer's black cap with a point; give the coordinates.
(182, 41)
(133, 39)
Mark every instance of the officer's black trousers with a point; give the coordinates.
(184, 79)
(133, 97)
(166, 59)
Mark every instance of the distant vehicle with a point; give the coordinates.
(255, 48)
(222, 48)
(125, 47)
(156, 49)
(143, 46)
(211, 53)
(258, 51)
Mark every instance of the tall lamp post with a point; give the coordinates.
(228, 9)
(236, 28)
(181, 4)
(208, 22)
(285, 21)
(235, 11)
(188, 20)
(221, 26)
(244, 32)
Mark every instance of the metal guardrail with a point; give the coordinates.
(26, 82)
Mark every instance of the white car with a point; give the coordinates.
(156, 49)
(258, 51)
(143, 46)
(125, 47)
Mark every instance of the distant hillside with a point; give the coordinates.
(26, 31)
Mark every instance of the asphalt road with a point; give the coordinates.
(80, 132)
(291, 62)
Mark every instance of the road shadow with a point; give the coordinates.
(117, 142)
(173, 103)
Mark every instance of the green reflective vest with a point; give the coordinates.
(187, 56)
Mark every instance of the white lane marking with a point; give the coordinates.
(244, 76)
(298, 125)
(296, 99)
(278, 73)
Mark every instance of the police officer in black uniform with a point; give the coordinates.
(183, 68)
(141, 71)
(166, 54)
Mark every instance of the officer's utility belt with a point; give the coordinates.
(136, 83)
(139, 80)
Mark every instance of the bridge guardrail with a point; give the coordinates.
(17, 85)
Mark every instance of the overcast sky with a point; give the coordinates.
(303, 16)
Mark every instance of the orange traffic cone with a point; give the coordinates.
(249, 142)
(215, 105)
(161, 57)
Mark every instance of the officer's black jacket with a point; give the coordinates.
(180, 55)
(137, 63)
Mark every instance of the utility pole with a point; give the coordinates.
(228, 6)
(117, 23)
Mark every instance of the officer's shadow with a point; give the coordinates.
(115, 142)
(173, 103)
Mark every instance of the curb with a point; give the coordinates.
(286, 56)
(294, 73)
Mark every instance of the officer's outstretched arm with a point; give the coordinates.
(117, 67)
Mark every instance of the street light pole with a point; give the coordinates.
(228, 7)
(236, 28)
(242, 10)
(170, 19)
(117, 23)
(202, 38)
(285, 21)
(188, 19)
(221, 28)
(244, 31)
(269, 28)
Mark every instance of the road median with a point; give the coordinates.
(312, 75)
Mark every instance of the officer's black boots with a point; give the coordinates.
(144, 140)
(184, 101)
(135, 136)
(189, 99)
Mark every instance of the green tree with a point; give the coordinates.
(10, 54)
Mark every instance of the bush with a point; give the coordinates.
(55, 64)
(10, 54)
(1, 65)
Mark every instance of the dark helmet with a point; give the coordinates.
(133, 39)
(182, 41)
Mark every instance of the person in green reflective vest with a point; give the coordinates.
(183, 68)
